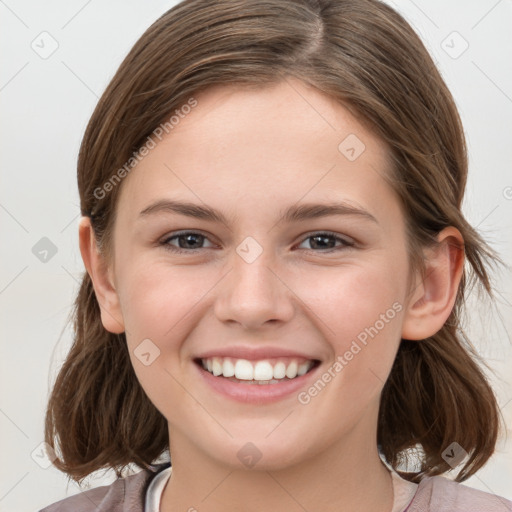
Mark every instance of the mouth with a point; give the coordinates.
(272, 371)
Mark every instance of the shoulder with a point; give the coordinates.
(126, 493)
(439, 494)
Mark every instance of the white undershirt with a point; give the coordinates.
(155, 490)
(403, 491)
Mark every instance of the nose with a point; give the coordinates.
(253, 294)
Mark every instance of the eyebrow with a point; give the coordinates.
(294, 213)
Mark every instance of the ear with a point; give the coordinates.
(101, 276)
(433, 295)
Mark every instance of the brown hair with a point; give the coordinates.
(367, 57)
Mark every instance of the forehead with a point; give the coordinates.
(256, 147)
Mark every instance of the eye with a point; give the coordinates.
(327, 241)
(188, 241)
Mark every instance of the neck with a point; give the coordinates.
(346, 476)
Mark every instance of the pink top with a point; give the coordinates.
(432, 494)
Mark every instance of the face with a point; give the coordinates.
(274, 283)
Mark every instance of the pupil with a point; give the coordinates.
(189, 238)
(323, 244)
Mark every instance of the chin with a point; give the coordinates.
(263, 455)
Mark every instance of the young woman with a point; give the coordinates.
(272, 232)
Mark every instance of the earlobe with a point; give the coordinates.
(99, 271)
(433, 296)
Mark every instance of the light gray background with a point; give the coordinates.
(46, 103)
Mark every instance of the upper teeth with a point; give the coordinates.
(256, 370)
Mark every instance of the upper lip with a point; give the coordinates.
(254, 354)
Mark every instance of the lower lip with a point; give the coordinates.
(255, 393)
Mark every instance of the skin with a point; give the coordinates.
(250, 154)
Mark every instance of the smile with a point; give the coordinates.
(256, 381)
(265, 371)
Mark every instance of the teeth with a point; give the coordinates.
(291, 371)
(303, 368)
(259, 372)
(280, 370)
(244, 370)
(228, 368)
(263, 371)
(216, 366)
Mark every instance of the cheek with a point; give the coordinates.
(156, 300)
(159, 301)
(361, 312)
(159, 308)
(350, 299)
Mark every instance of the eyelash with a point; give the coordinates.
(345, 243)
